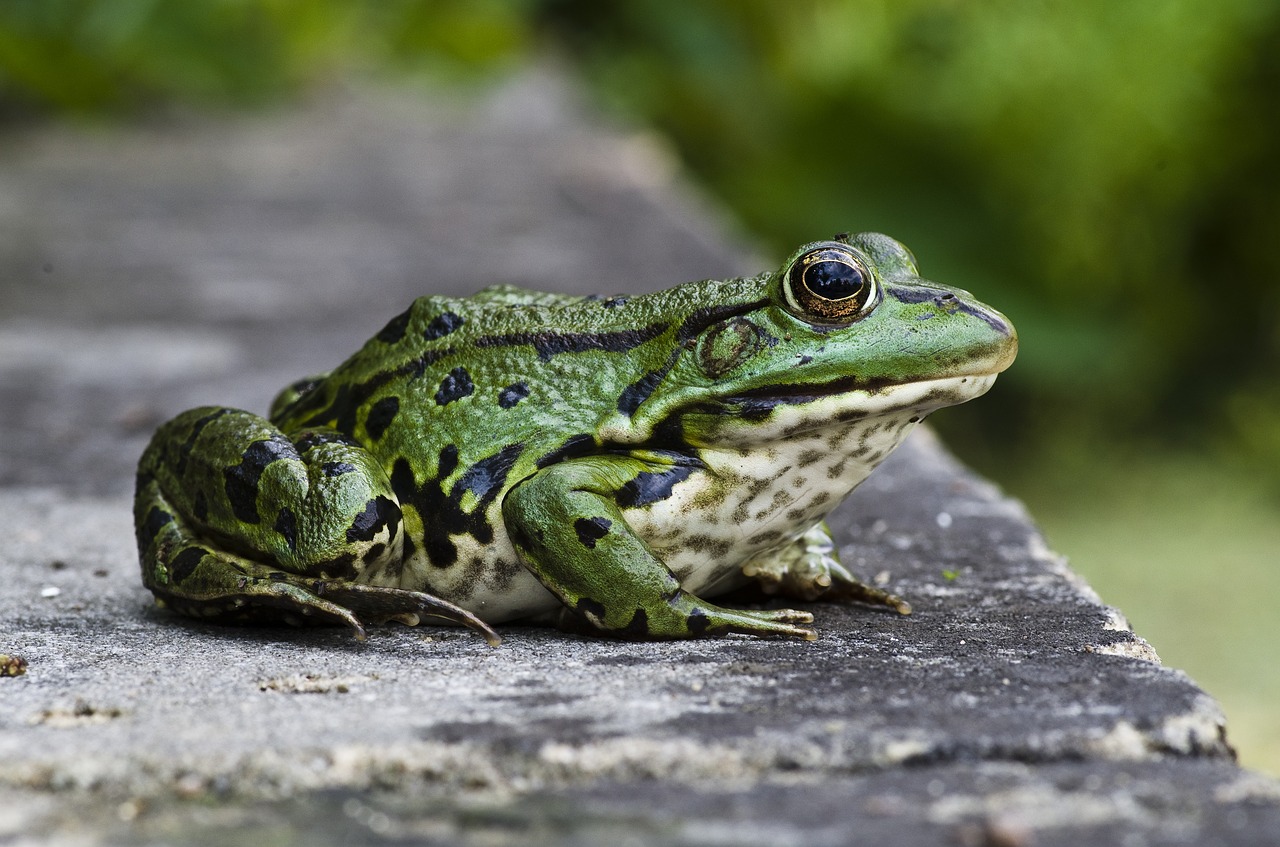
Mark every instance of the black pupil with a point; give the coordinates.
(833, 280)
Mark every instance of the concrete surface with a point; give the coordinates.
(146, 270)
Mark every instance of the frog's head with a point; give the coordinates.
(845, 330)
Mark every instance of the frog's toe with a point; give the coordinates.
(853, 591)
(377, 604)
(782, 615)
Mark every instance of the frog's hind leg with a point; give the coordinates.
(237, 521)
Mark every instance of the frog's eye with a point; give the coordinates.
(830, 285)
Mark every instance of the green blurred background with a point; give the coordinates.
(1104, 172)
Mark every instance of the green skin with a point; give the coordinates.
(601, 464)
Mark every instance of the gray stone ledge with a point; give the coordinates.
(144, 271)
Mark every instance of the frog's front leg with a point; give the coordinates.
(570, 532)
(808, 569)
(236, 519)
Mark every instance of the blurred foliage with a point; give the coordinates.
(1103, 172)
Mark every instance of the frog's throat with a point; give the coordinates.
(793, 414)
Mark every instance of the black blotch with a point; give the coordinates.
(337, 468)
(381, 416)
(242, 479)
(200, 506)
(487, 476)
(184, 564)
(184, 451)
(287, 526)
(698, 622)
(448, 460)
(637, 392)
(548, 344)
(378, 513)
(315, 438)
(394, 330)
(374, 552)
(455, 386)
(341, 409)
(652, 486)
(587, 606)
(512, 394)
(591, 530)
(637, 628)
(442, 324)
(156, 520)
(614, 302)
(574, 446)
(339, 567)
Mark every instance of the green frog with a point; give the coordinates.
(601, 463)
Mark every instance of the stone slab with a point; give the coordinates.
(146, 270)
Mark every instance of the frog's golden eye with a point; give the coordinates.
(830, 285)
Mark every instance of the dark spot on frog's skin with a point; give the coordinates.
(947, 302)
(337, 468)
(287, 526)
(381, 416)
(200, 506)
(455, 386)
(591, 530)
(654, 486)
(184, 451)
(837, 469)
(155, 521)
(448, 460)
(636, 628)
(341, 411)
(548, 344)
(394, 330)
(614, 302)
(488, 475)
(698, 622)
(441, 325)
(242, 480)
(573, 446)
(512, 394)
(442, 513)
(804, 360)
(587, 606)
(766, 536)
(808, 457)
(315, 438)
(374, 553)
(379, 513)
(185, 563)
(640, 390)
(339, 567)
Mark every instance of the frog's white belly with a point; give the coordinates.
(746, 502)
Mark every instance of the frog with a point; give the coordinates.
(606, 464)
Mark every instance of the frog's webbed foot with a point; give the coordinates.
(809, 570)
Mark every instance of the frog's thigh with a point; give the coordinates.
(312, 502)
(570, 533)
(232, 514)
